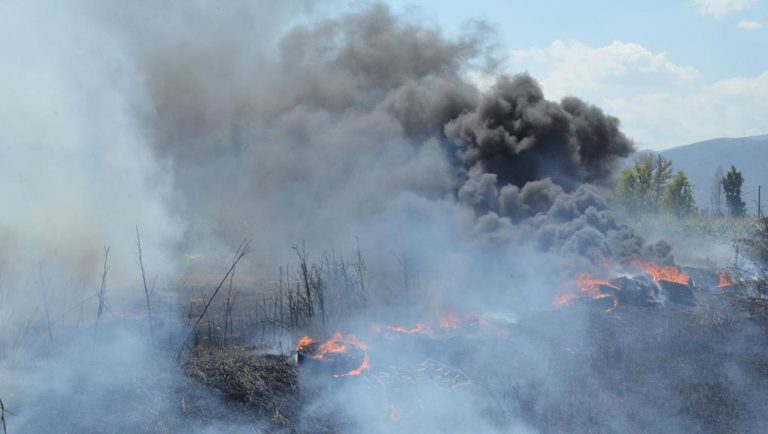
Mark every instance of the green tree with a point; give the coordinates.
(732, 182)
(662, 174)
(627, 190)
(641, 187)
(644, 174)
(678, 197)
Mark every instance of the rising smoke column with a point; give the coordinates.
(353, 113)
(259, 121)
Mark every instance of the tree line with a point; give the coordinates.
(651, 186)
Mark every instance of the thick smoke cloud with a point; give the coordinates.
(518, 135)
(312, 134)
(535, 167)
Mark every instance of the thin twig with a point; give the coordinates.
(44, 285)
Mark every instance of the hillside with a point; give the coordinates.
(701, 160)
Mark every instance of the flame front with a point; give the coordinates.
(342, 343)
(670, 273)
(419, 328)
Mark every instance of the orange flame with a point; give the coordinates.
(566, 298)
(447, 322)
(417, 329)
(725, 280)
(339, 343)
(670, 273)
(303, 342)
(589, 287)
(357, 371)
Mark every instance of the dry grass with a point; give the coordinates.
(266, 383)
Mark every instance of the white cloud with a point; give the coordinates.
(574, 68)
(750, 25)
(661, 103)
(721, 8)
(727, 108)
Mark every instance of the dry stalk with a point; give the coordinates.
(239, 254)
(103, 289)
(144, 281)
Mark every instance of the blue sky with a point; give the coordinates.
(675, 72)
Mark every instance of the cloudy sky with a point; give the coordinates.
(674, 71)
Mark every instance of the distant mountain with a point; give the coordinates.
(701, 160)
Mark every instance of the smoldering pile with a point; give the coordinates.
(658, 285)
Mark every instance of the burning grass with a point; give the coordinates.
(625, 369)
(617, 354)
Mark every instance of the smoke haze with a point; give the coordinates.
(206, 122)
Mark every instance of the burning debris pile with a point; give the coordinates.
(658, 285)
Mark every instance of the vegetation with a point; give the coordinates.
(754, 275)
(732, 182)
(716, 194)
(678, 197)
(646, 188)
